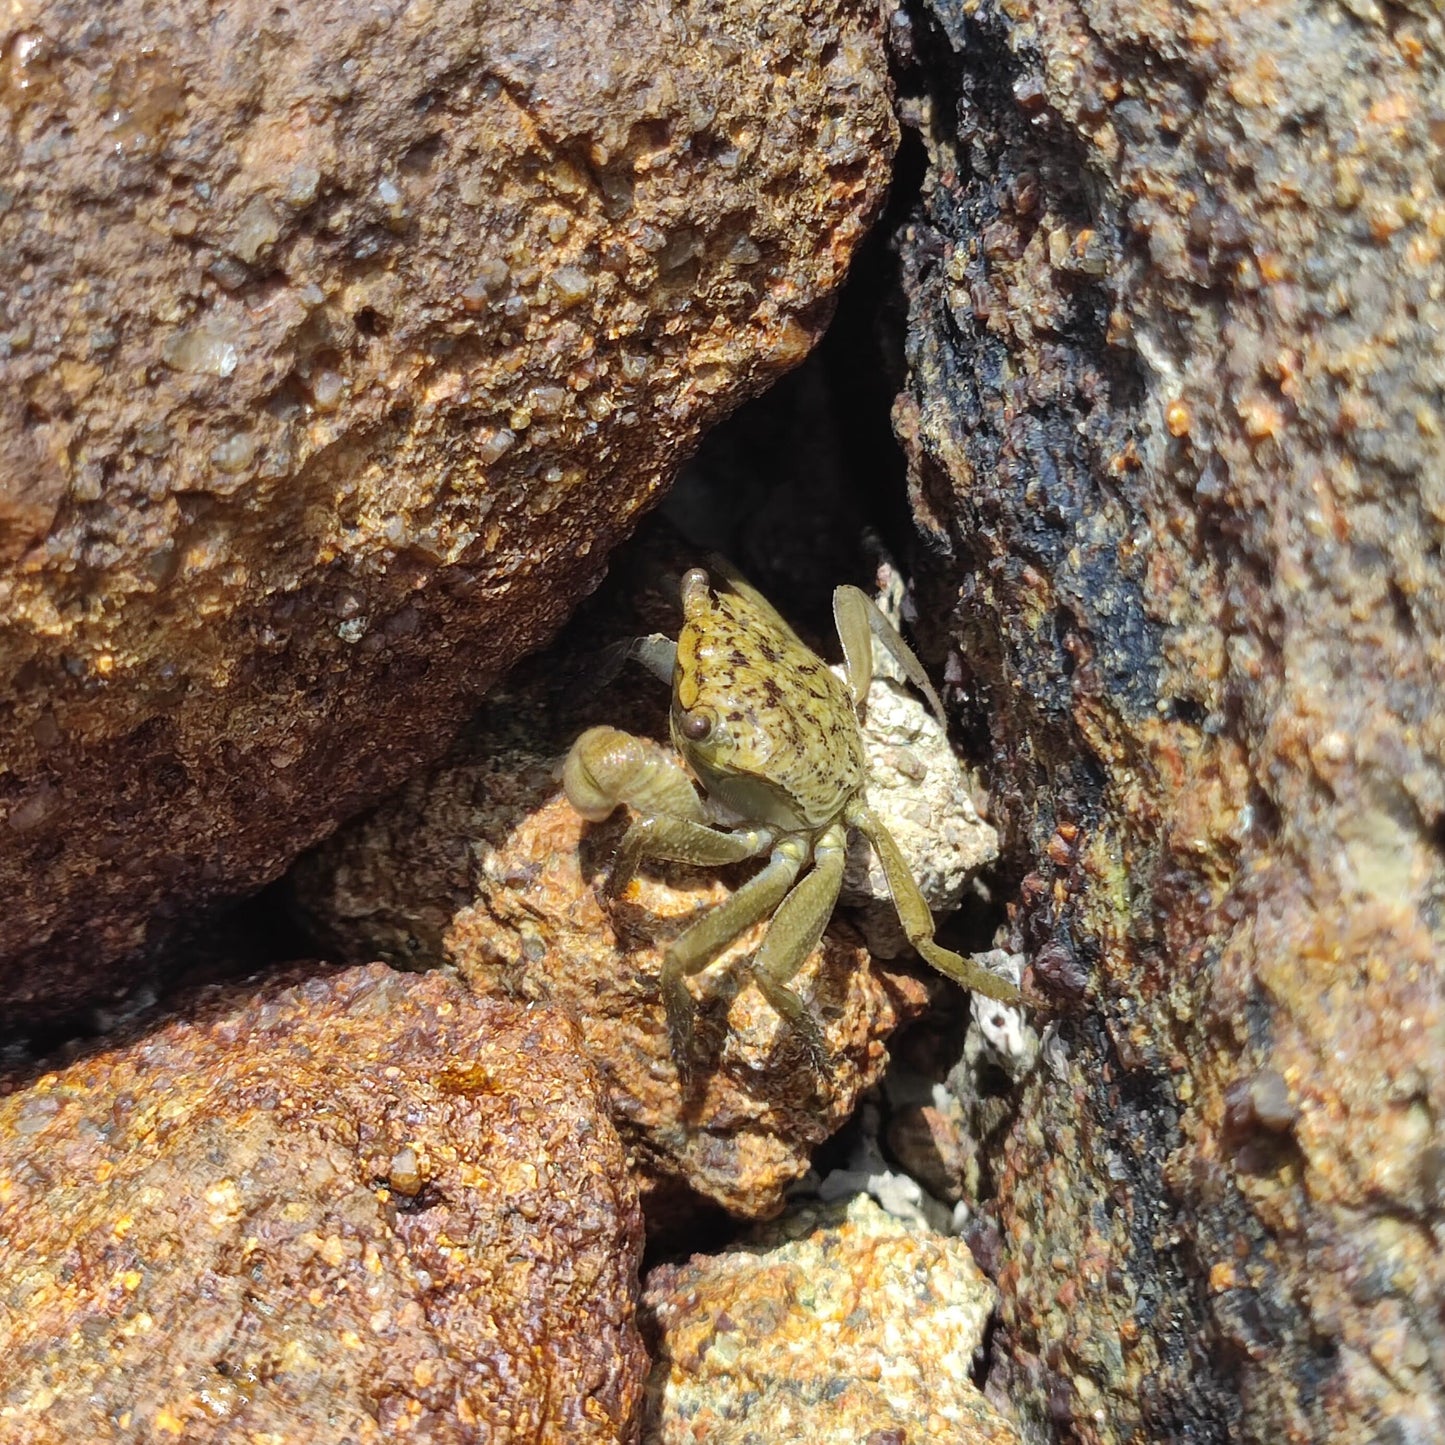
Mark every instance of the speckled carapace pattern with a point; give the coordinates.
(338, 346)
(1175, 413)
(780, 715)
(356, 1207)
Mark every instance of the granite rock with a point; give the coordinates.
(357, 1205)
(834, 1325)
(337, 348)
(1175, 421)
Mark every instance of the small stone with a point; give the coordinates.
(269, 1157)
(257, 227)
(834, 1326)
(570, 285)
(930, 1146)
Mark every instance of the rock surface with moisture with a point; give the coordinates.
(357, 1206)
(837, 1326)
(335, 354)
(1176, 422)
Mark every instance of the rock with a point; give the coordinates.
(836, 1325)
(356, 1206)
(486, 866)
(1174, 418)
(744, 1127)
(930, 1145)
(339, 352)
(920, 789)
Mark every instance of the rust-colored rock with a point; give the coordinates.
(337, 349)
(1176, 415)
(836, 1326)
(485, 864)
(746, 1124)
(361, 1206)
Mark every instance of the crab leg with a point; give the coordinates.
(858, 621)
(658, 654)
(915, 917)
(681, 840)
(655, 652)
(795, 930)
(607, 767)
(692, 950)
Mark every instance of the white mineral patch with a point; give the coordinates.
(1002, 1035)
(920, 791)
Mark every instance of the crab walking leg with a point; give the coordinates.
(858, 621)
(795, 930)
(692, 950)
(914, 915)
(681, 840)
(658, 654)
(850, 617)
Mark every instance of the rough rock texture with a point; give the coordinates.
(836, 1325)
(919, 787)
(745, 1125)
(337, 347)
(1175, 416)
(360, 1207)
(484, 864)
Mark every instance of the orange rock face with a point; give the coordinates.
(337, 350)
(360, 1206)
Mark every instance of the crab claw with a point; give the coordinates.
(598, 770)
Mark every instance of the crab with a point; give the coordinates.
(772, 735)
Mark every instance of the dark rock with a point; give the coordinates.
(1191, 505)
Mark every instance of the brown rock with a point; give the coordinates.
(746, 1125)
(337, 352)
(1176, 413)
(931, 1145)
(360, 1206)
(487, 865)
(837, 1325)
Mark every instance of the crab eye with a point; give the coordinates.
(693, 592)
(696, 726)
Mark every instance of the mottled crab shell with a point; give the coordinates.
(782, 743)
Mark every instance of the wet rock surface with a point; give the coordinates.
(835, 1325)
(1174, 415)
(355, 1206)
(485, 865)
(337, 353)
